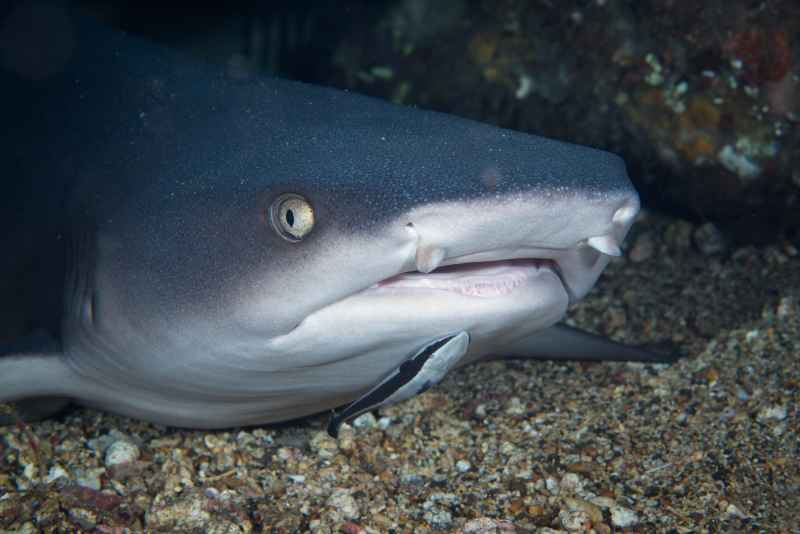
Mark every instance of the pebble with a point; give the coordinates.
(603, 502)
(709, 240)
(462, 466)
(325, 446)
(574, 519)
(485, 525)
(678, 235)
(89, 478)
(86, 519)
(384, 423)
(365, 420)
(623, 517)
(439, 518)
(56, 472)
(446, 499)
(344, 505)
(121, 452)
(775, 413)
(579, 505)
(733, 511)
(184, 513)
(516, 406)
(643, 248)
(572, 482)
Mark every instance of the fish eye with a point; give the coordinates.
(291, 216)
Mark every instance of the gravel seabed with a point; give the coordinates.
(709, 444)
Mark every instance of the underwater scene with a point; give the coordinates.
(400, 266)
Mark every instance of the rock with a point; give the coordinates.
(121, 452)
(439, 518)
(579, 505)
(184, 513)
(366, 420)
(56, 472)
(516, 406)
(462, 466)
(86, 519)
(384, 422)
(643, 248)
(574, 519)
(344, 505)
(623, 517)
(709, 240)
(679, 235)
(325, 446)
(572, 483)
(89, 478)
(775, 413)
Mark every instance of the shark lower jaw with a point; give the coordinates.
(486, 279)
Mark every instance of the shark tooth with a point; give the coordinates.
(605, 244)
(429, 258)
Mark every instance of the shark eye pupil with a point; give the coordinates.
(292, 216)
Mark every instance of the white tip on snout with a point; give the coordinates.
(429, 258)
(605, 244)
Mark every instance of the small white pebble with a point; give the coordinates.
(89, 478)
(299, 479)
(571, 482)
(463, 466)
(121, 452)
(623, 517)
(343, 502)
(752, 335)
(776, 413)
(56, 472)
(574, 519)
(732, 510)
(384, 422)
(515, 406)
(438, 518)
(366, 420)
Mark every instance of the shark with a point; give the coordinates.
(241, 251)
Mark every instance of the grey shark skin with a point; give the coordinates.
(183, 303)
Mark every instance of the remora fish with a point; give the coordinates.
(242, 252)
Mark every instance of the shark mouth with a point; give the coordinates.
(485, 279)
(498, 273)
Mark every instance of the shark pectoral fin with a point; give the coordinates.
(416, 374)
(40, 384)
(561, 342)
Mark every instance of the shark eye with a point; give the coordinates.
(291, 216)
